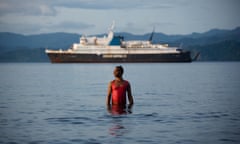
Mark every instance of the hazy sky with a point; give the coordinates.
(134, 16)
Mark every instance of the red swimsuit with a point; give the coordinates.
(119, 93)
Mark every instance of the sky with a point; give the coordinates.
(134, 16)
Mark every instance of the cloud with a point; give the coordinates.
(103, 4)
(23, 28)
(132, 27)
(137, 16)
(48, 7)
(26, 7)
(74, 25)
(33, 28)
(69, 27)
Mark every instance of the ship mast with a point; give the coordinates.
(151, 36)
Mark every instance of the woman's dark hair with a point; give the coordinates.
(120, 68)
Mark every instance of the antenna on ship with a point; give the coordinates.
(112, 26)
(151, 36)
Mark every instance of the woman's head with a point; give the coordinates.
(118, 71)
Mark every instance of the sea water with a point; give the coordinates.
(195, 102)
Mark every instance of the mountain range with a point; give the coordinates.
(214, 45)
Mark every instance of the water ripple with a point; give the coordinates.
(69, 120)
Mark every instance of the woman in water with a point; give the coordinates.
(118, 90)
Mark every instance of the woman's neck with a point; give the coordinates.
(118, 78)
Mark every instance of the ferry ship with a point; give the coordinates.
(113, 49)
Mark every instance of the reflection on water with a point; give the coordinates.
(117, 128)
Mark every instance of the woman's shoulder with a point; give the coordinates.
(126, 82)
(112, 81)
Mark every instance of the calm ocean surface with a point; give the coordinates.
(174, 103)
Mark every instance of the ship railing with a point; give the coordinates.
(126, 51)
